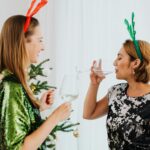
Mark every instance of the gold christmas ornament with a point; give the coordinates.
(76, 133)
(32, 87)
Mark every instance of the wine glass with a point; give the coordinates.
(69, 88)
(99, 70)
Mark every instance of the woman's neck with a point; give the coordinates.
(137, 88)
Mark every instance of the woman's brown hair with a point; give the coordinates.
(13, 54)
(142, 73)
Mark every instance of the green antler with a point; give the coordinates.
(132, 33)
(130, 28)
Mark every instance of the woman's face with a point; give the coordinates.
(123, 65)
(34, 45)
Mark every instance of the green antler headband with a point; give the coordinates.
(132, 33)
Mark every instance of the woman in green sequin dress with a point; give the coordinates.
(21, 127)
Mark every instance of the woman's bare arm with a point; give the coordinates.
(37, 137)
(92, 108)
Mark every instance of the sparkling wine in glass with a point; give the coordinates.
(69, 88)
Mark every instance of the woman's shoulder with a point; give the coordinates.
(11, 88)
(116, 90)
(11, 84)
(10, 80)
(119, 86)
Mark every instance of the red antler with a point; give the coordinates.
(30, 14)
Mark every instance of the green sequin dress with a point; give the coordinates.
(18, 116)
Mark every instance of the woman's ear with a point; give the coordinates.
(136, 63)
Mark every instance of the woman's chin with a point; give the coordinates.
(117, 76)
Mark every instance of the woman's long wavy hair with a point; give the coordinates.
(13, 54)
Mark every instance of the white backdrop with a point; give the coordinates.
(76, 32)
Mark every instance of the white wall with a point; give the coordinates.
(11, 7)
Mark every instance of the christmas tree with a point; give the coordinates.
(37, 86)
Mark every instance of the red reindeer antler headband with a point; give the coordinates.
(30, 13)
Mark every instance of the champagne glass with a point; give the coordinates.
(98, 68)
(69, 88)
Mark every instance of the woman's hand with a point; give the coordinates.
(47, 99)
(96, 77)
(63, 111)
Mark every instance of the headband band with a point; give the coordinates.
(132, 33)
(30, 13)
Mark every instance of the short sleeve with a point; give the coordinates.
(110, 93)
(16, 118)
(115, 91)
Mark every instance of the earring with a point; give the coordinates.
(133, 72)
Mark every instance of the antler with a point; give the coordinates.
(30, 14)
(132, 33)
